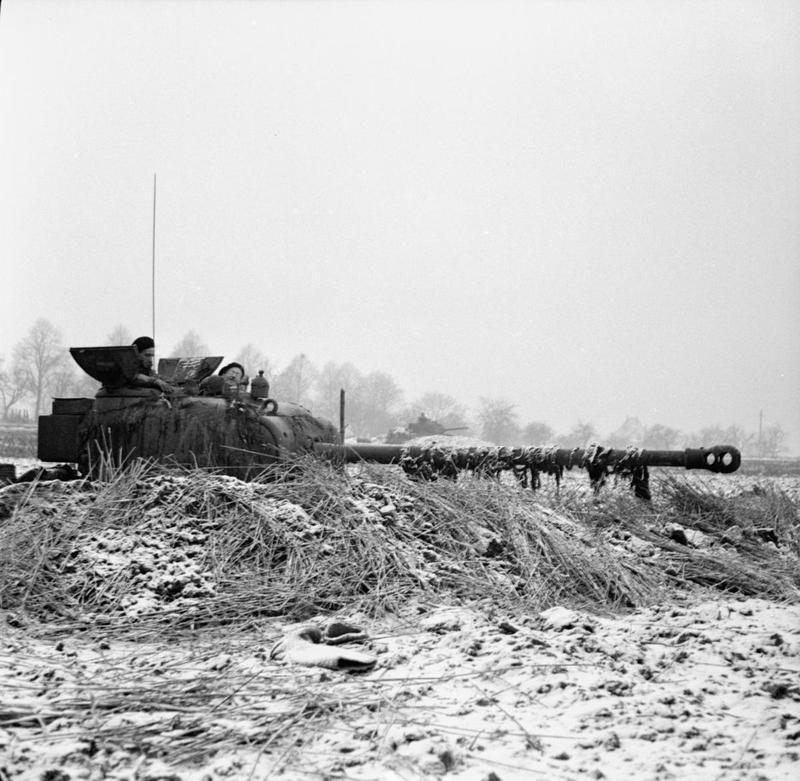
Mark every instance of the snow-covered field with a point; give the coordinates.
(704, 690)
(702, 686)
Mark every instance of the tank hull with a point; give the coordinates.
(239, 437)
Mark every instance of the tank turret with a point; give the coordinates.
(423, 426)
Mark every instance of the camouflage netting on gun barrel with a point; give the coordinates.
(527, 464)
(232, 437)
(597, 463)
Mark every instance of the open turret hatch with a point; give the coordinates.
(115, 367)
(111, 366)
(178, 371)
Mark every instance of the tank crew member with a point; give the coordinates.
(145, 377)
(232, 374)
(230, 378)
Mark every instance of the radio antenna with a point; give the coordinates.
(153, 273)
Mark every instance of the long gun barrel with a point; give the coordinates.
(720, 458)
(526, 463)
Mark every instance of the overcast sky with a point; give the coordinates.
(591, 209)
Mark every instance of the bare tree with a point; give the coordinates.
(69, 383)
(744, 440)
(660, 437)
(440, 407)
(773, 441)
(711, 435)
(190, 346)
(629, 434)
(375, 408)
(330, 381)
(581, 435)
(537, 433)
(12, 388)
(498, 421)
(63, 381)
(295, 382)
(38, 358)
(254, 360)
(732, 435)
(120, 336)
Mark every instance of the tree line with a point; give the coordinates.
(498, 422)
(41, 369)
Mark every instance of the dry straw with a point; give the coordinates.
(186, 548)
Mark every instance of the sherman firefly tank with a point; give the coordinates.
(238, 433)
(229, 429)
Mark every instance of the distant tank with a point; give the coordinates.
(240, 434)
(423, 426)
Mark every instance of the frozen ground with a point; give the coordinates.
(705, 690)
(701, 687)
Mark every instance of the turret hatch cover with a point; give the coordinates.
(181, 370)
(111, 366)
